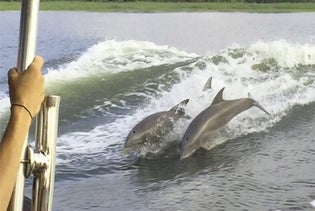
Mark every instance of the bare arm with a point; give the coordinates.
(10, 152)
(26, 94)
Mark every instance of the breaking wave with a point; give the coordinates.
(279, 75)
(114, 85)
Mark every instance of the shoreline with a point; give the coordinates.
(153, 7)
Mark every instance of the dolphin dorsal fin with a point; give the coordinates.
(179, 106)
(218, 98)
(208, 84)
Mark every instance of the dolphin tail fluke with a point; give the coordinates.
(257, 104)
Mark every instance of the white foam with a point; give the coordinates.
(4, 106)
(277, 89)
(112, 57)
(287, 54)
(100, 137)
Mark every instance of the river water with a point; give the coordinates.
(114, 69)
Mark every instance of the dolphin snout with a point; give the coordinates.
(187, 150)
(128, 148)
(186, 154)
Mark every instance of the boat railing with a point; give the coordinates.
(39, 161)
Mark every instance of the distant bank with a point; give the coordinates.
(165, 6)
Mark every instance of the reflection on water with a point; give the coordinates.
(157, 60)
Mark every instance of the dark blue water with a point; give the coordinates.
(114, 69)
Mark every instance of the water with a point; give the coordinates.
(114, 69)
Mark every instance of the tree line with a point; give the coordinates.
(228, 1)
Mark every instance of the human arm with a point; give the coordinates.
(26, 95)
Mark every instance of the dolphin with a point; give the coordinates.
(152, 128)
(207, 85)
(206, 125)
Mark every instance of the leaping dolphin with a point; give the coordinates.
(205, 127)
(152, 128)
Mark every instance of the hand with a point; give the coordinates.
(27, 88)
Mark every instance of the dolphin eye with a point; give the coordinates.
(134, 132)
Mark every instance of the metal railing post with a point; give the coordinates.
(26, 54)
(41, 161)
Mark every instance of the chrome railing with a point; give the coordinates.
(41, 161)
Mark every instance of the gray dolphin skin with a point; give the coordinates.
(152, 128)
(208, 84)
(206, 126)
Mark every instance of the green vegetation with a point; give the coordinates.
(145, 6)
